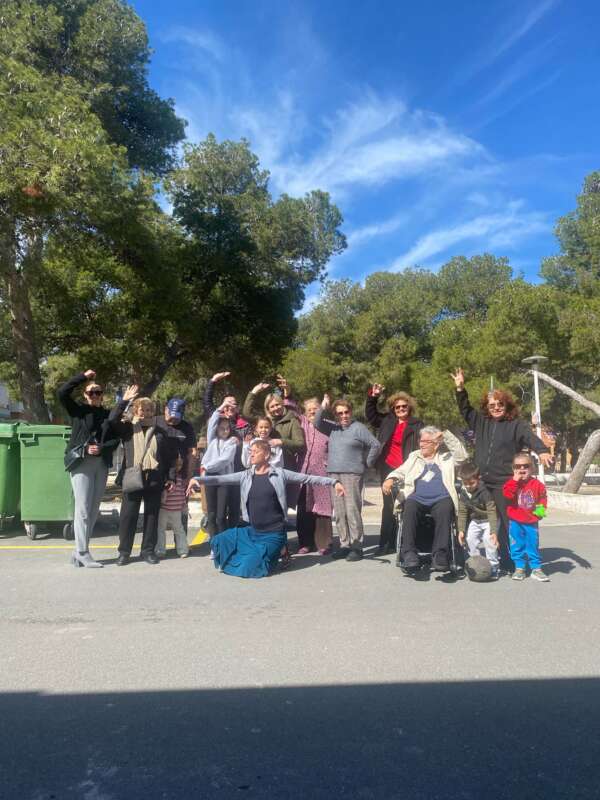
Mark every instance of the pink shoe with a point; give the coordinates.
(325, 551)
(303, 551)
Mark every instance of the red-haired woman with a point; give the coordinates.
(499, 435)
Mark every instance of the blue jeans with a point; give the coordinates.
(524, 541)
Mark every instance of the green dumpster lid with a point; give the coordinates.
(8, 430)
(29, 431)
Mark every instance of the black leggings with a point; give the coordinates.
(389, 525)
(223, 508)
(500, 502)
(130, 509)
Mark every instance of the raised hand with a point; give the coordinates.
(377, 389)
(131, 392)
(89, 374)
(458, 377)
(326, 402)
(219, 376)
(260, 387)
(283, 385)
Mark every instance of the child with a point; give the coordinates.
(219, 460)
(173, 503)
(526, 505)
(477, 515)
(263, 430)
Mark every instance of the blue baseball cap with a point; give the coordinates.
(176, 406)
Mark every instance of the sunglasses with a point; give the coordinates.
(522, 466)
(342, 413)
(496, 405)
(401, 406)
(95, 393)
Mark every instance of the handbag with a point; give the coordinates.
(133, 478)
(74, 455)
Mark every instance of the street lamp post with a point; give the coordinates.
(534, 362)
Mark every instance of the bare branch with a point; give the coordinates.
(579, 398)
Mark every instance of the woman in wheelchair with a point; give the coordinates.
(427, 479)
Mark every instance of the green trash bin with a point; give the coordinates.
(10, 475)
(46, 495)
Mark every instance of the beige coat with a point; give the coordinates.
(447, 458)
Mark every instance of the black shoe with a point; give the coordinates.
(150, 558)
(123, 560)
(411, 561)
(440, 563)
(341, 553)
(355, 554)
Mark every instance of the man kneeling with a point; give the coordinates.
(428, 477)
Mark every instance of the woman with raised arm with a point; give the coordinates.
(352, 449)
(398, 432)
(252, 551)
(313, 510)
(88, 458)
(499, 435)
(146, 447)
(287, 431)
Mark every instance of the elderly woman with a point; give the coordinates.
(428, 477)
(145, 445)
(313, 512)
(352, 449)
(499, 436)
(252, 551)
(398, 433)
(87, 459)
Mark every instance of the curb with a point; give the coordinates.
(579, 503)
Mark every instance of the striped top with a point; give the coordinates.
(175, 500)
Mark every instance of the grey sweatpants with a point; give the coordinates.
(478, 536)
(88, 480)
(347, 509)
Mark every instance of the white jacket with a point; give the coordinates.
(446, 458)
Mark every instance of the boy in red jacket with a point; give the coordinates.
(526, 506)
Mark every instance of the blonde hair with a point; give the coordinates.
(139, 402)
(268, 400)
(410, 401)
(308, 400)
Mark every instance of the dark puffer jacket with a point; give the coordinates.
(287, 428)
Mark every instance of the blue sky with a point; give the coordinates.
(439, 128)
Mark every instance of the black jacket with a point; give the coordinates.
(87, 421)
(166, 444)
(385, 424)
(497, 441)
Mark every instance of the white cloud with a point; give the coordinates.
(503, 229)
(371, 143)
(366, 233)
(204, 40)
(520, 29)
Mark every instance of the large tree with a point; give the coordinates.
(77, 115)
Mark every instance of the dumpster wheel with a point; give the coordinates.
(31, 529)
(68, 532)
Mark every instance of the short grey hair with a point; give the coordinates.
(430, 430)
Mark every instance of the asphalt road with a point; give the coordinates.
(329, 680)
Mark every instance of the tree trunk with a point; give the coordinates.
(591, 447)
(172, 355)
(16, 292)
(31, 383)
(589, 404)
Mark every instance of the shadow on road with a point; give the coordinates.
(498, 739)
(560, 559)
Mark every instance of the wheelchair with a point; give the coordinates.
(424, 542)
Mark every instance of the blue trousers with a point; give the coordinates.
(524, 541)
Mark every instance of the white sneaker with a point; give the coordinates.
(539, 575)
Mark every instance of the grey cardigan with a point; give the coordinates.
(351, 449)
(278, 478)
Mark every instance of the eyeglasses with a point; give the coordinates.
(95, 393)
(496, 405)
(344, 413)
(401, 406)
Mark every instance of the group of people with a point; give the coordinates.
(279, 454)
